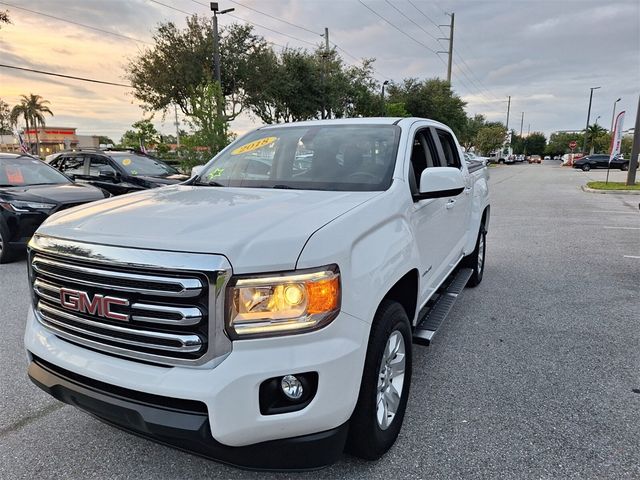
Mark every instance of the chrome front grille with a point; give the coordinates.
(162, 307)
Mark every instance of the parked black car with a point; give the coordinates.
(118, 172)
(30, 191)
(600, 161)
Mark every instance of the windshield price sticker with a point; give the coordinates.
(257, 144)
(126, 162)
(14, 175)
(215, 173)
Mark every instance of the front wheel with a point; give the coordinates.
(475, 260)
(377, 418)
(586, 167)
(624, 168)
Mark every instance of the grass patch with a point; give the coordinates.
(612, 186)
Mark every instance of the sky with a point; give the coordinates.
(546, 55)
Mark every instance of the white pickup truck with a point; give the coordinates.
(263, 312)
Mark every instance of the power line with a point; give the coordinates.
(76, 23)
(66, 76)
(171, 7)
(426, 16)
(396, 27)
(273, 16)
(411, 20)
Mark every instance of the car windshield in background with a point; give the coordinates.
(18, 172)
(139, 165)
(319, 157)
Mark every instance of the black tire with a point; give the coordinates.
(501, 161)
(476, 259)
(586, 167)
(367, 438)
(7, 253)
(624, 167)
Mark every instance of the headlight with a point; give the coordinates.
(283, 304)
(22, 206)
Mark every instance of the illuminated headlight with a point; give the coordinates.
(23, 206)
(283, 304)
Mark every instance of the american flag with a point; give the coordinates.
(24, 148)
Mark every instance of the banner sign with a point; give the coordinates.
(616, 137)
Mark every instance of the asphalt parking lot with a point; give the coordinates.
(535, 375)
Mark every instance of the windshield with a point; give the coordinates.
(140, 165)
(318, 157)
(28, 171)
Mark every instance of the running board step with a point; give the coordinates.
(434, 313)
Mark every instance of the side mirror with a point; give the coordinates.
(439, 182)
(108, 174)
(197, 170)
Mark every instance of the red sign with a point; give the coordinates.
(573, 144)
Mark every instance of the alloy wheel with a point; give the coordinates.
(390, 380)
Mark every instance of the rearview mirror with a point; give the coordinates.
(439, 182)
(197, 170)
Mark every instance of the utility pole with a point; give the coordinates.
(175, 110)
(635, 150)
(450, 51)
(586, 130)
(326, 113)
(529, 130)
(508, 110)
(521, 124)
(216, 41)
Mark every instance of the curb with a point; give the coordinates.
(623, 192)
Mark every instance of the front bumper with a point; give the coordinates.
(22, 225)
(229, 392)
(183, 425)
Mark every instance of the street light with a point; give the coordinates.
(597, 118)
(384, 110)
(613, 115)
(584, 143)
(216, 40)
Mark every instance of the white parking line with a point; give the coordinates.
(632, 256)
(623, 228)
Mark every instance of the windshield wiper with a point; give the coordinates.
(212, 183)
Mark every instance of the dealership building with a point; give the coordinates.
(52, 140)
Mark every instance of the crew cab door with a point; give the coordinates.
(458, 208)
(429, 217)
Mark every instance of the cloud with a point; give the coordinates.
(544, 54)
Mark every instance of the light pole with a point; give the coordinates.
(586, 130)
(613, 115)
(384, 110)
(216, 41)
(597, 118)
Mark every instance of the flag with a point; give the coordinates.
(24, 148)
(616, 137)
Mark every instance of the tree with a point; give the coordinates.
(470, 131)
(32, 109)
(536, 143)
(432, 99)
(559, 142)
(397, 110)
(143, 133)
(102, 140)
(4, 17)
(490, 138)
(5, 118)
(593, 132)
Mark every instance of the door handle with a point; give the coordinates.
(467, 190)
(450, 204)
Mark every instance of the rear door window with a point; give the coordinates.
(72, 165)
(449, 149)
(97, 164)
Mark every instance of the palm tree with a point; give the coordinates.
(593, 132)
(32, 108)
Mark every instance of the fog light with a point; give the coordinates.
(291, 387)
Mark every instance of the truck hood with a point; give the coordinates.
(256, 229)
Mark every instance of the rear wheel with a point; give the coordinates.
(475, 260)
(624, 167)
(586, 167)
(377, 418)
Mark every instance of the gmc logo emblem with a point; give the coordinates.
(99, 305)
